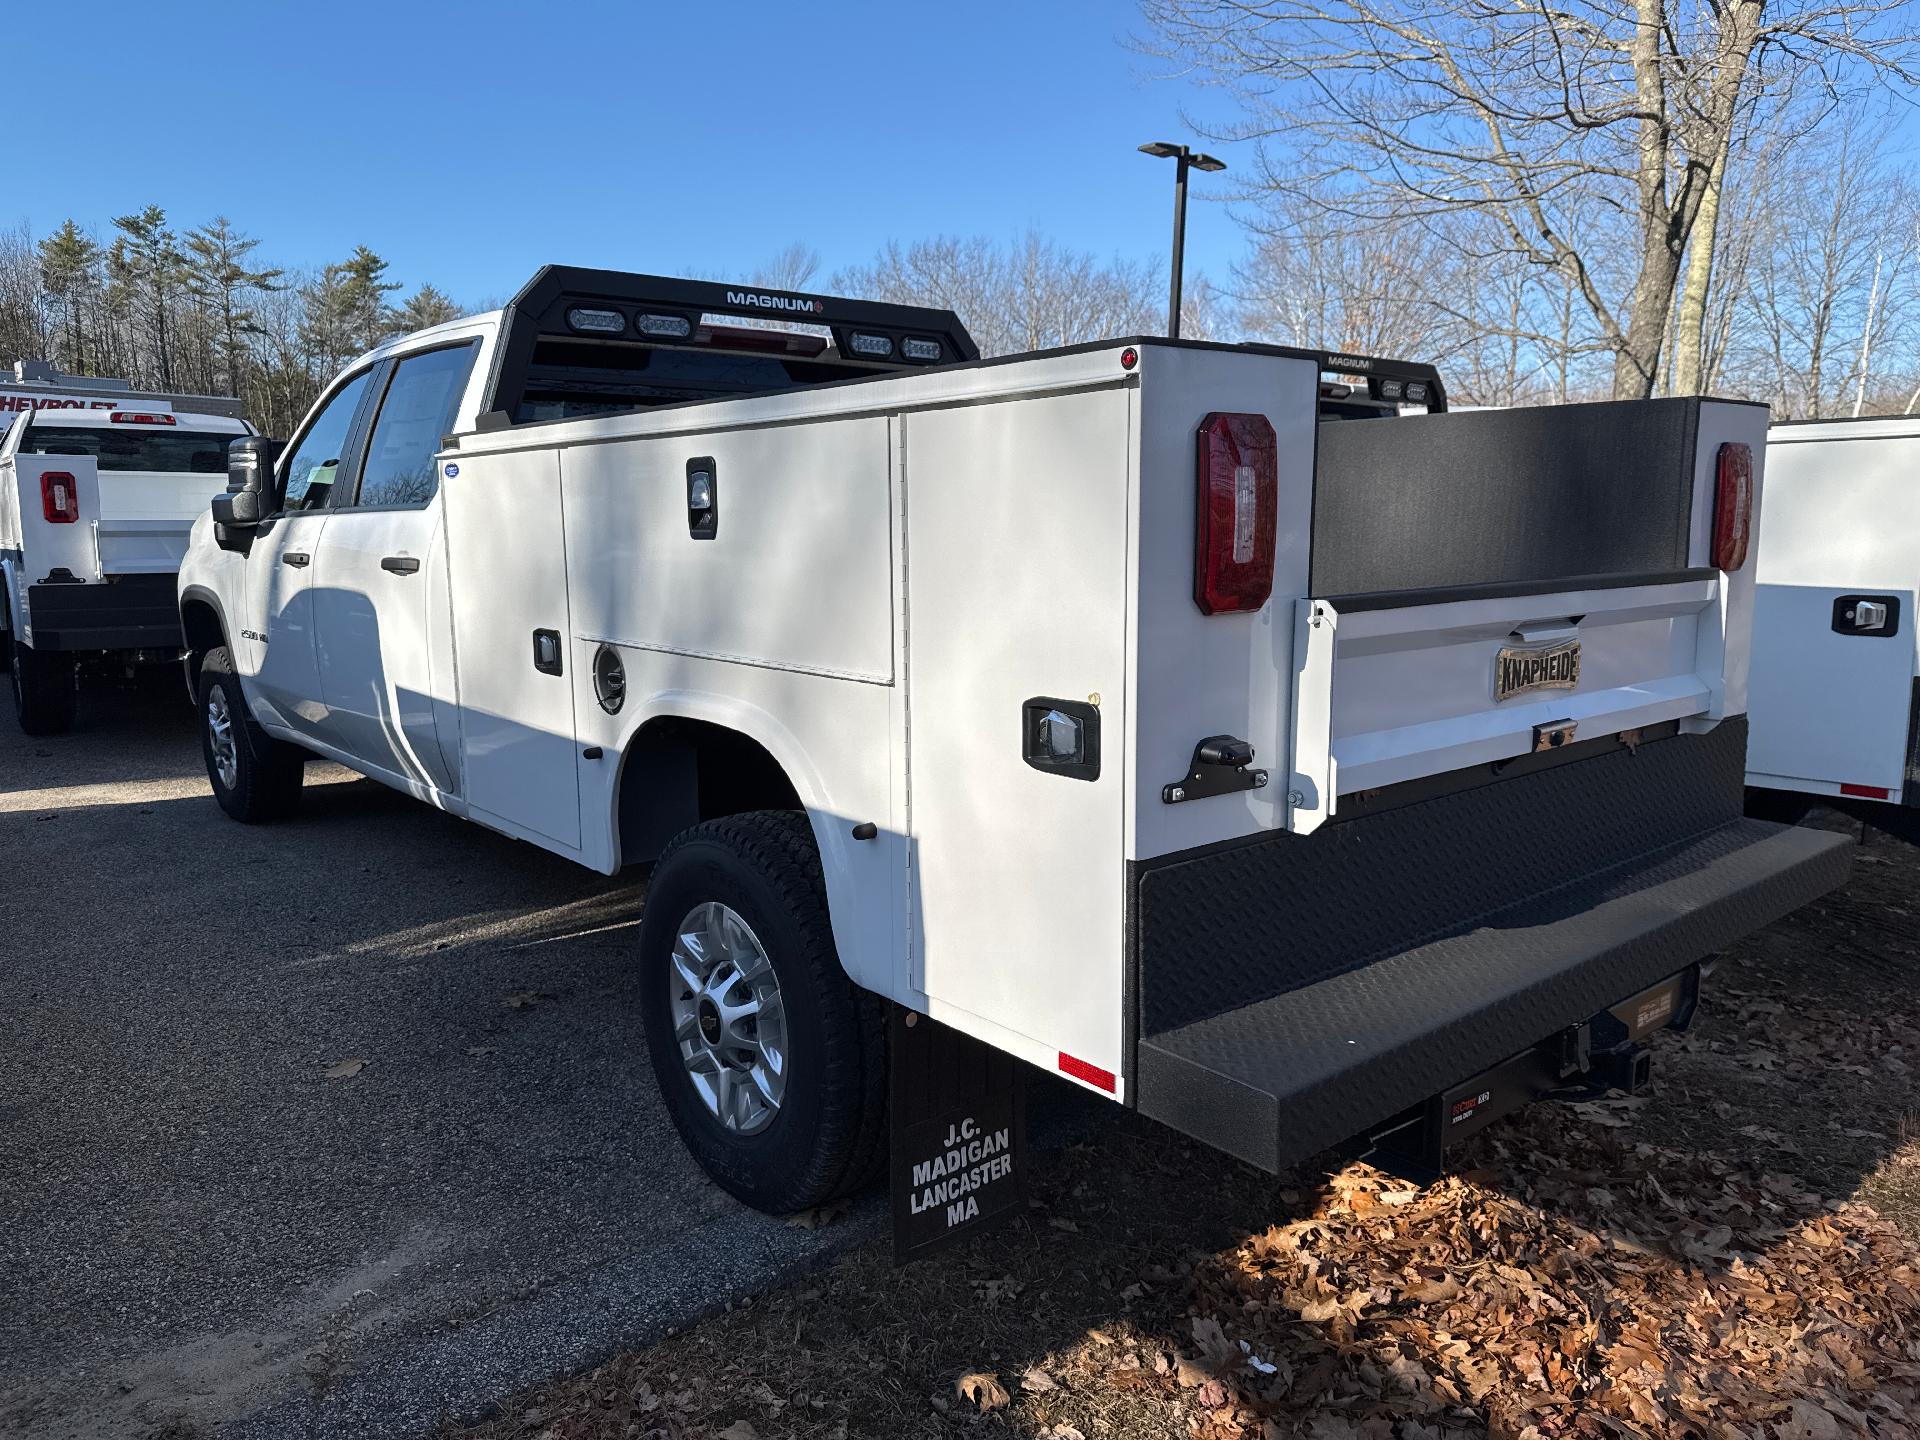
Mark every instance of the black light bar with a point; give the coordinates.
(565, 301)
(1391, 381)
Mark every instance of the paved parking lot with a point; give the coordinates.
(200, 1231)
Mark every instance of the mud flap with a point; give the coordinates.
(957, 1151)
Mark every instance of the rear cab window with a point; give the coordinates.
(156, 449)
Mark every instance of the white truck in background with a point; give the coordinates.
(1180, 719)
(96, 503)
(1834, 657)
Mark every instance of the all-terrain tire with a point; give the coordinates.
(45, 695)
(828, 1136)
(254, 776)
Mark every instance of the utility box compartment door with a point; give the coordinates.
(1016, 564)
(1830, 699)
(507, 548)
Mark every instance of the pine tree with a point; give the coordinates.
(364, 289)
(154, 271)
(426, 306)
(70, 272)
(221, 283)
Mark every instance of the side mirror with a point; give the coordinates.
(249, 497)
(250, 494)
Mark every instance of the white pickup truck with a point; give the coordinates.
(1182, 719)
(96, 502)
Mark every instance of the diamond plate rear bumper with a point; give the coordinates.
(1308, 1027)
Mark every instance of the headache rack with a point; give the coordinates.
(582, 342)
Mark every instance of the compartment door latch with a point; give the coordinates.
(1221, 765)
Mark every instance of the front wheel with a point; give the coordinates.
(45, 694)
(254, 776)
(771, 1061)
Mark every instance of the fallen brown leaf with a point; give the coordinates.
(344, 1069)
(983, 1391)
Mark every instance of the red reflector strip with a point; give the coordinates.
(1866, 792)
(1092, 1074)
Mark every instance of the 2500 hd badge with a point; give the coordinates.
(1519, 669)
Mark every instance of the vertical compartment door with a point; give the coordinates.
(506, 535)
(1016, 593)
(1831, 691)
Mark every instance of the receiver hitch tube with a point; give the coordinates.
(1605, 1052)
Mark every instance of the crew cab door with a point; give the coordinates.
(380, 584)
(275, 641)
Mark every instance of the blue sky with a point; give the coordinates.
(470, 143)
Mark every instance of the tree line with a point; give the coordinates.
(1811, 304)
(198, 311)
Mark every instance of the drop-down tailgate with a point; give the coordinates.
(1400, 686)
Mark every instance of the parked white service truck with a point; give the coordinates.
(1181, 719)
(1834, 659)
(96, 503)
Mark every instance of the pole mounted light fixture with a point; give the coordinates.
(1185, 159)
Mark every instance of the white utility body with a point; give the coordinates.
(1834, 655)
(1171, 717)
(96, 504)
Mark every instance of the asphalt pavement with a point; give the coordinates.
(212, 1221)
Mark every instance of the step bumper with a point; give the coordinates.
(1286, 1077)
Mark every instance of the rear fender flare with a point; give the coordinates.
(857, 898)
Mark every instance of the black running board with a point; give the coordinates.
(1287, 1077)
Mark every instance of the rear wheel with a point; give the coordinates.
(45, 694)
(771, 1061)
(254, 776)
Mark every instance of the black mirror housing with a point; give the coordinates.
(249, 497)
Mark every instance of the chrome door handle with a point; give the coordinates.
(400, 564)
(296, 558)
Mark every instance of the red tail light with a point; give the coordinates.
(59, 497)
(1238, 500)
(140, 417)
(1732, 507)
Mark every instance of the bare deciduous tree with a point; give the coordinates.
(1591, 132)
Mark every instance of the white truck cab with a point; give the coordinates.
(1185, 720)
(1834, 654)
(96, 502)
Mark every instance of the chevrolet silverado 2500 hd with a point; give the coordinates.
(95, 507)
(1182, 719)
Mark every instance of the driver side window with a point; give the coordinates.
(314, 463)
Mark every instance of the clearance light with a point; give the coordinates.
(139, 417)
(59, 497)
(1417, 391)
(1732, 506)
(914, 348)
(665, 327)
(1866, 792)
(876, 345)
(597, 322)
(1237, 502)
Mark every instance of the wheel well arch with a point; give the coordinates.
(203, 628)
(678, 770)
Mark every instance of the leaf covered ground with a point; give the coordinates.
(1733, 1255)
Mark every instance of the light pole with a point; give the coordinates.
(1184, 158)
